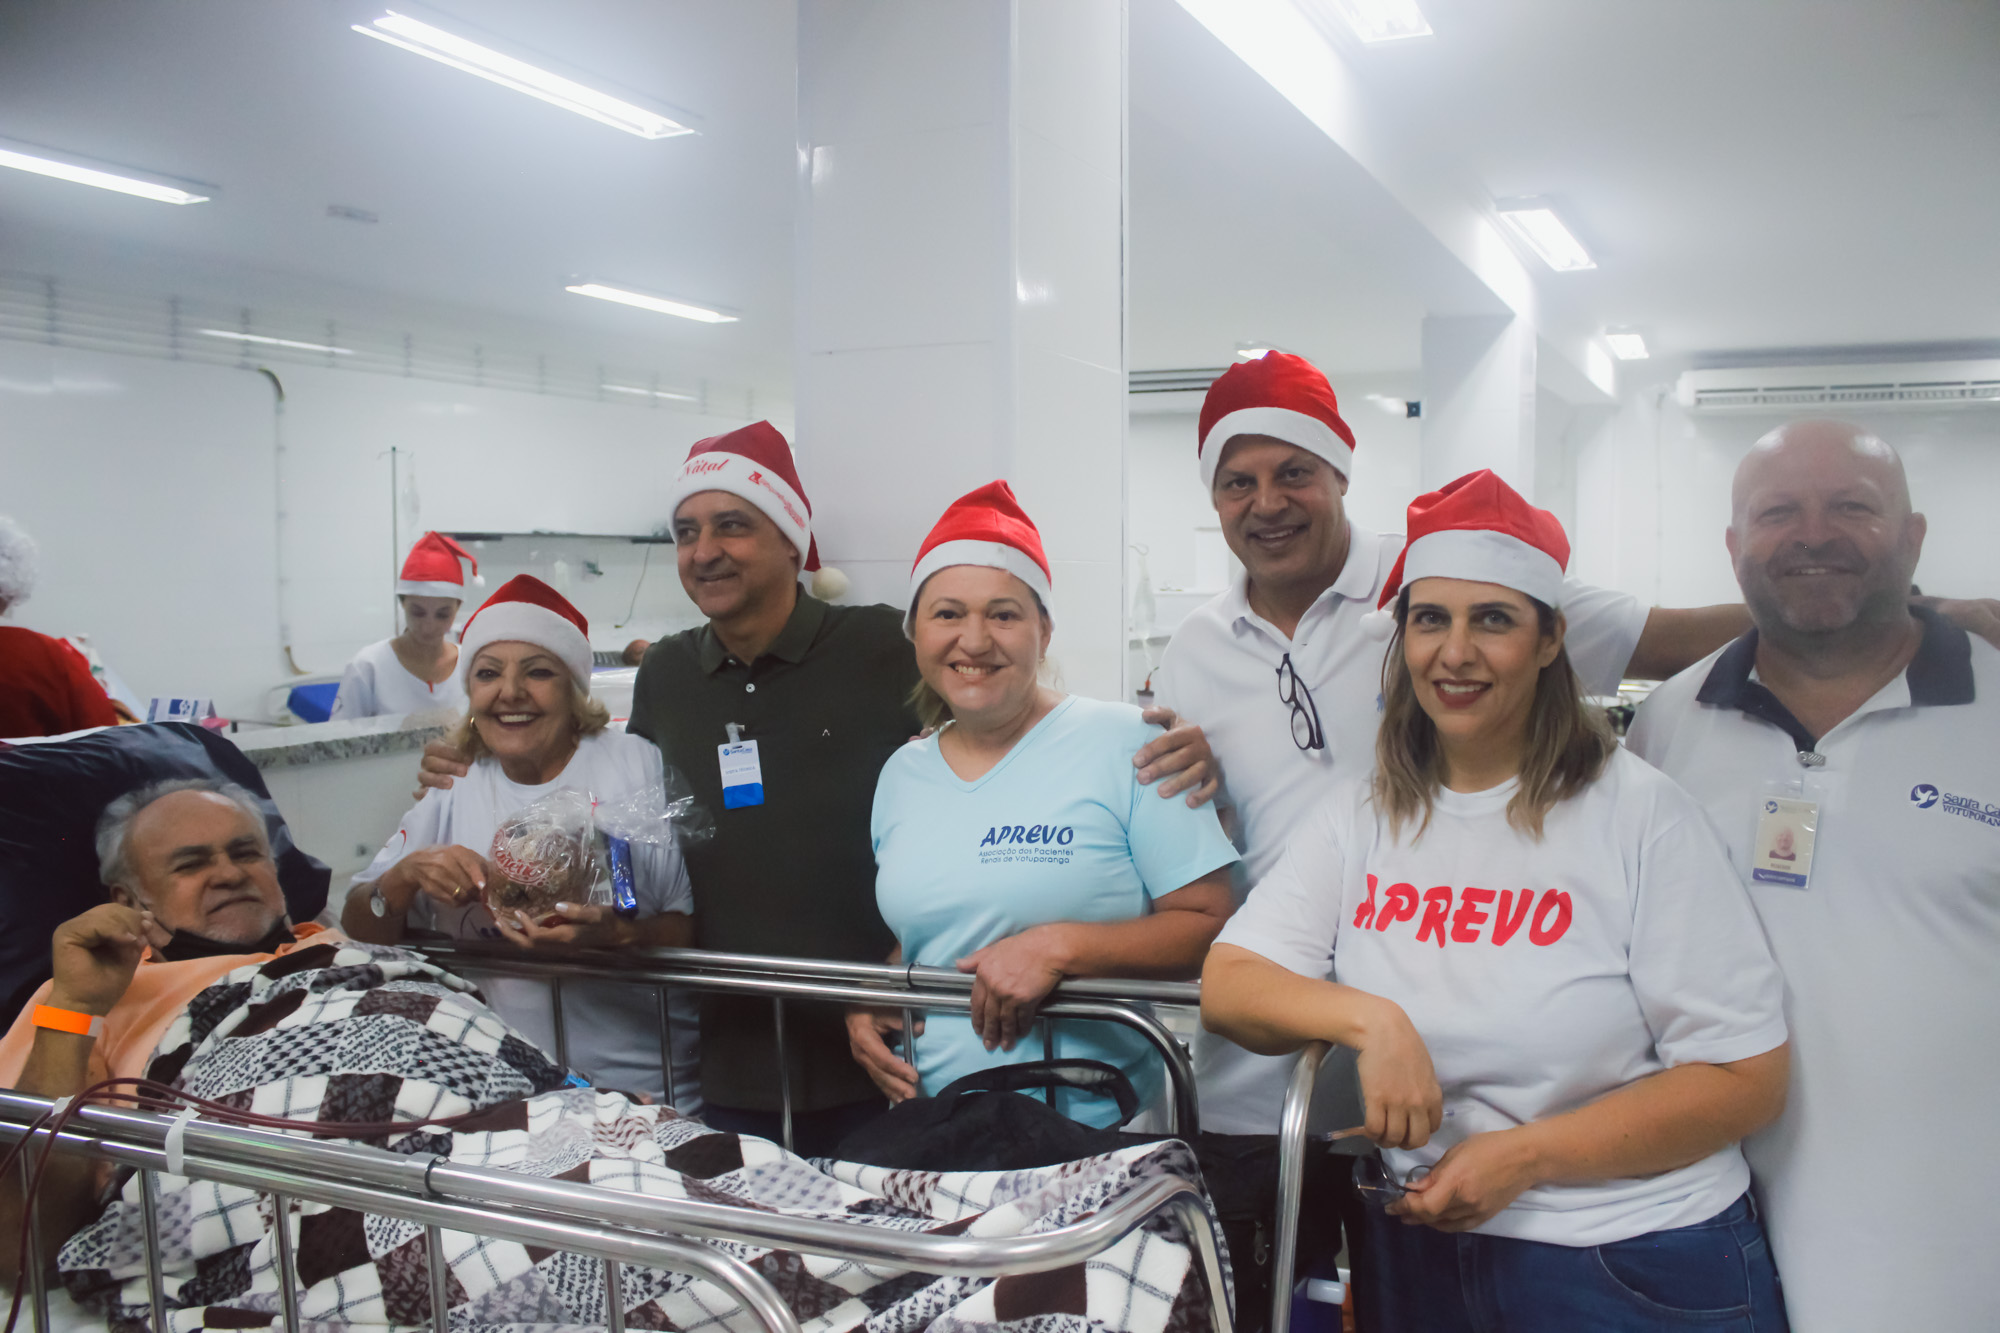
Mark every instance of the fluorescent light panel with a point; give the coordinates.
(1383, 20)
(1542, 231)
(449, 49)
(37, 161)
(263, 341)
(1627, 346)
(659, 304)
(668, 394)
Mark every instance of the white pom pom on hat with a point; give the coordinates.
(829, 584)
(1379, 624)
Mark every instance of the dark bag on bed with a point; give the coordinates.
(987, 1122)
(50, 797)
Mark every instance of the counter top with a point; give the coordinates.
(354, 738)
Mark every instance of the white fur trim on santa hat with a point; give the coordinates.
(992, 555)
(1484, 556)
(747, 480)
(1280, 423)
(524, 622)
(435, 588)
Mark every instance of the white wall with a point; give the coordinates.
(156, 488)
(1653, 496)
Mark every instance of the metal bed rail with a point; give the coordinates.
(1322, 1097)
(913, 989)
(613, 1226)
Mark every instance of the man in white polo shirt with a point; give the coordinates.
(1285, 683)
(1848, 748)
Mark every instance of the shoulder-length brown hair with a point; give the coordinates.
(587, 717)
(1569, 742)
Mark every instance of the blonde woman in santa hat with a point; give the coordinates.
(531, 728)
(1565, 1011)
(1016, 842)
(417, 670)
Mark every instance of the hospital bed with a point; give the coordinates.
(618, 1228)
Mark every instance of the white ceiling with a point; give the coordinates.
(1787, 173)
(488, 200)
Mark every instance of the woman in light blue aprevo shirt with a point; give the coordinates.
(1016, 841)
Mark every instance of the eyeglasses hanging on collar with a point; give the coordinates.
(1307, 733)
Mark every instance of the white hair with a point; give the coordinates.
(17, 563)
(114, 826)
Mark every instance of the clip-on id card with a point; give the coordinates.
(742, 774)
(1783, 850)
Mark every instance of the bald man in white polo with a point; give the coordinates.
(1869, 732)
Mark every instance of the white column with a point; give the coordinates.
(1479, 399)
(960, 279)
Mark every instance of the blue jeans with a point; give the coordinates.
(1716, 1274)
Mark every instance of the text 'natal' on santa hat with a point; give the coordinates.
(983, 527)
(527, 610)
(432, 569)
(1478, 528)
(1279, 395)
(755, 464)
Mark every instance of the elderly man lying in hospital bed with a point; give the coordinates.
(192, 977)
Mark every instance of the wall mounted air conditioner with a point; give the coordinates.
(1794, 389)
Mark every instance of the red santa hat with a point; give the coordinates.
(983, 527)
(1279, 395)
(1478, 528)
(432, 569)
(527, 610)
(755, 464)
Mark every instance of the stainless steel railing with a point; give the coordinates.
(613, 1226)
(913, 989)
(1321, 1099)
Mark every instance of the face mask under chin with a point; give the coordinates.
(186, 945)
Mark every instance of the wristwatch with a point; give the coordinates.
(376, 902)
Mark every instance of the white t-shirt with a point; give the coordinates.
(1220, 672)
(377, 684)
(1881, 1180)
(613, 1029)
(1540, 974)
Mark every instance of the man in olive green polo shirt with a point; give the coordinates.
(822, 692)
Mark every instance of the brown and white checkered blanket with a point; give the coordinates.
(361, 1034)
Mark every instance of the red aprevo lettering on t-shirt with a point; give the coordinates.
(1546, 917)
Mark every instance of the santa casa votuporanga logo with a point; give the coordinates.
(1927, 796)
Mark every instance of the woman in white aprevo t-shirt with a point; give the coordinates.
(1565, 1010)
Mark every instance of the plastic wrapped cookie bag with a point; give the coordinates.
(667, 815)
(546, 853)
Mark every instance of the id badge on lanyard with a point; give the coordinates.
(1788, 824)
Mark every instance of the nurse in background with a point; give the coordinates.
(1565, 1011)
(418, 669)
(1015, 841)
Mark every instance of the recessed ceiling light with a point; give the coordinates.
(1383, 20)
(450, 49)
(663, 305)
(263, 341)
(668, 394)
(28, 157)
(1627, 346)
(1538, 227)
